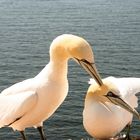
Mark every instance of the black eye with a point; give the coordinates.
(87, 62)
(84, 60)
(111, 94)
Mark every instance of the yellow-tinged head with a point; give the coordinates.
(108, 92)
(68, 46)
(97, 92)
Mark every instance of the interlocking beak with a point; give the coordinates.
(91, 69)
(115, 99)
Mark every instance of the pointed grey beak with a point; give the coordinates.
(91, 69)
(115, 99)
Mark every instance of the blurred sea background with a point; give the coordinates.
(27, 28)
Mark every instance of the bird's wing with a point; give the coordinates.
(15, 106)
(128, 87)
(24, 86)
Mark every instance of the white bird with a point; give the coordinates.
(109, 108)
(32, 101)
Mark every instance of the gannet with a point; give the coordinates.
(109, 108)
(30, 102)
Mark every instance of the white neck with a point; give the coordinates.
(55, 70)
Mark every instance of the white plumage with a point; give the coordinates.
(103, 119)
(30, 102)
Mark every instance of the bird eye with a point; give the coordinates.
(85, 61)
(111, 94)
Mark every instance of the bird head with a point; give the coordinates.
(70, 46)
(111, 94)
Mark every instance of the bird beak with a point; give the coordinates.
(115, 99)
(91, 69)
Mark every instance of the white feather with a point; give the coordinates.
(101, 118)
(16, 106)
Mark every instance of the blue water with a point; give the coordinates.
(27, 27)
